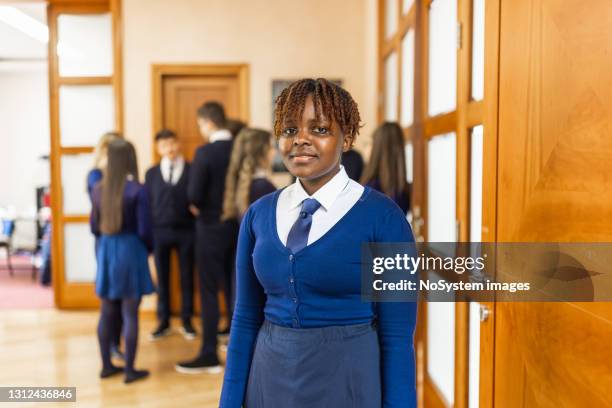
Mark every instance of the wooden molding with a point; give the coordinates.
(159, 71)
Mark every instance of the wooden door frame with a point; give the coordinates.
(81, 294)
(159, 71)
(467, 114)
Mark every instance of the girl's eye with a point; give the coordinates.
(321, 130)
(290, 131)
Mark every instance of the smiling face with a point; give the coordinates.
(311, 148)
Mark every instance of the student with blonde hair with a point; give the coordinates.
(100, 159)
(94, 177)
(246, 179)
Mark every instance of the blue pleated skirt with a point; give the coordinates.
(123, 269)
(328, 367)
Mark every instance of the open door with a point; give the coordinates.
(555, 158)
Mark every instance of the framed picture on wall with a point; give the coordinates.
(277, 87)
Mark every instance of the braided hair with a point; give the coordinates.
(329, 99)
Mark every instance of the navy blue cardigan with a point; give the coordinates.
(326, 279)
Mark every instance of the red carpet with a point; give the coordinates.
(20, 291)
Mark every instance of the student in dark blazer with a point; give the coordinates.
(173, 229)
(301, 334)
(215, 239)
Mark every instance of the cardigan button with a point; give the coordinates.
(290, 280)
(291, 258)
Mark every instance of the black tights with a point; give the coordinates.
(110, 312)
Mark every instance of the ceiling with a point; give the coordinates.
(18, 51)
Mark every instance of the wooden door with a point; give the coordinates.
(555, 161)
(179, 90)
(90, 75)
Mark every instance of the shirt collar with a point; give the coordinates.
(326, 195)
(219, 135)
(165, 162)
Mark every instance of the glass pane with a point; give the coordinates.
(441, 347)
(391, 88)
(409, 162)
(476, 184)
(79, 253)
(390, 17)
(442, 56)
(85, 113)
(407, 78)
(474, 355)
(478, 29)
(85, 45)
(406, 4)
(74, 183)
(441, 193)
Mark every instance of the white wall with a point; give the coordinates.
(24, 137)
(279, 39)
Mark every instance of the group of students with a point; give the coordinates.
(287, 260)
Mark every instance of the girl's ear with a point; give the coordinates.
(347, 142)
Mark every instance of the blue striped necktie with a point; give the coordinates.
(298, 236)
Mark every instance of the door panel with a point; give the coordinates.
(183, 95)
(555, 157)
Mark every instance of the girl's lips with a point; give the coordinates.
(303, 159)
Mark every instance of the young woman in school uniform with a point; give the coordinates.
(386, 169)
(121, 219)
(94, 177)
(301, 336)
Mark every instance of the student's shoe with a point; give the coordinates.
(162, 330)
(116, 353)
(188, 331)
(135, 375)
(208, 364)
(110, 371)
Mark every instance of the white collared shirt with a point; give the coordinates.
(337, 197)
(220, 134)
(177, 171)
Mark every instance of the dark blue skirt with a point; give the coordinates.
(335, 367)
(123, 268)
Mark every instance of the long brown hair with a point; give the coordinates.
(102, 147)
(122, 164)
(250, 148)
(387, 163)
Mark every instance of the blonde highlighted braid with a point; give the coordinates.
(250, 149)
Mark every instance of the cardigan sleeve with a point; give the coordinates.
(247, 319)
(396, 324)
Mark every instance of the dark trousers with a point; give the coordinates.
(181, 240)
(215, 253)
